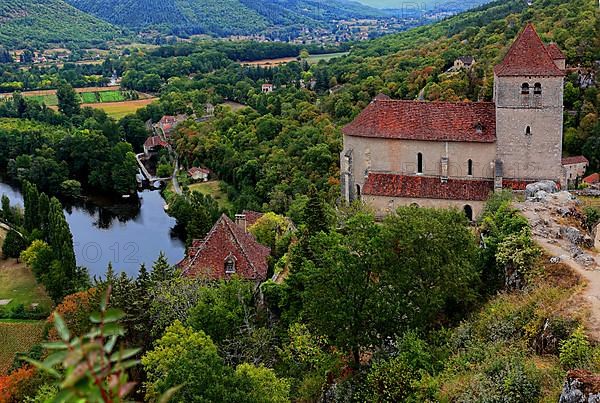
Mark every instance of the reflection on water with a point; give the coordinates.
(125, 233)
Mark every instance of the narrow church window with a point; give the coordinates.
(419, 163)
(358, 192)
(537, 89)
(470, 168)
(528, 131)
(525, 89)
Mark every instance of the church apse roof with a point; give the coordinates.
(428, 121)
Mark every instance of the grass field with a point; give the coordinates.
(212, 188)
(119, 109)
(17, 337)
(590, 201)
(312, 59)
(18, 284)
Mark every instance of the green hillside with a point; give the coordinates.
(223, 17)
(34, 22)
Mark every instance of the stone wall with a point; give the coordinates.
(400, 157)
(386, 205)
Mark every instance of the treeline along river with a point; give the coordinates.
(125, 235)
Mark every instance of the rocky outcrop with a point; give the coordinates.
(540, 189)
(581, 387)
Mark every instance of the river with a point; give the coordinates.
(125, 235)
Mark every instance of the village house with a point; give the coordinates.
(464, 62)
(592, 180)
(267, 88)
(574, 169)
(168, 123)
(448, 154)
(227, 251)
(152, 145)
(199, 174)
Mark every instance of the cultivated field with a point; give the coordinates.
(312, 59)
(17, 337)
(119, 109)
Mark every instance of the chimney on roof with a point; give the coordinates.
(240, 220)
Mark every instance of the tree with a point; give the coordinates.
(262, 384)
(68, 100)
(315, 214)
(13, 244)
(368, 282)
(190, 359)
(223, 310)
(31, 201)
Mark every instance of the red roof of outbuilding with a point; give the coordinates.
(427, 187)
(528, 56)
(430, 121)
(252, 217)
(555, 52)
(579, 159)
(592, 179)
(206, 258)
(155, 141)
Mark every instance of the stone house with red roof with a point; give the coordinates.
(445, 154)
(574, 169)
(226, 251)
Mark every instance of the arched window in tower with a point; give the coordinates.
(525, 95)
(470, 168)
(358, 192)
(537, 95)
(419, 163)
(528, 131)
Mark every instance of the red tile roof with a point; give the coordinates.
(427, 187)
(579, 159)
(430, 121)
(155, 141)
(528, 56)
(194, 170)
(555, 52)
(252, 217)
(206, 258)
(592, 179)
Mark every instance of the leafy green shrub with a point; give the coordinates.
(576, 351)
(592, 217)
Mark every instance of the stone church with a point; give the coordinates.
(447, 154)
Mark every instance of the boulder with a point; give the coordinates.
(546, 186)
(581, 387)
(576, 237)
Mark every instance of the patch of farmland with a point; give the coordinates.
(17, 337)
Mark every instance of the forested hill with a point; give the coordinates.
(25, 23)
(222, 17)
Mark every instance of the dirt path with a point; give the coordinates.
(547, 221)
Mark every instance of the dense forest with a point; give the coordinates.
(28, 23)
(222, 18)
(417, 307)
